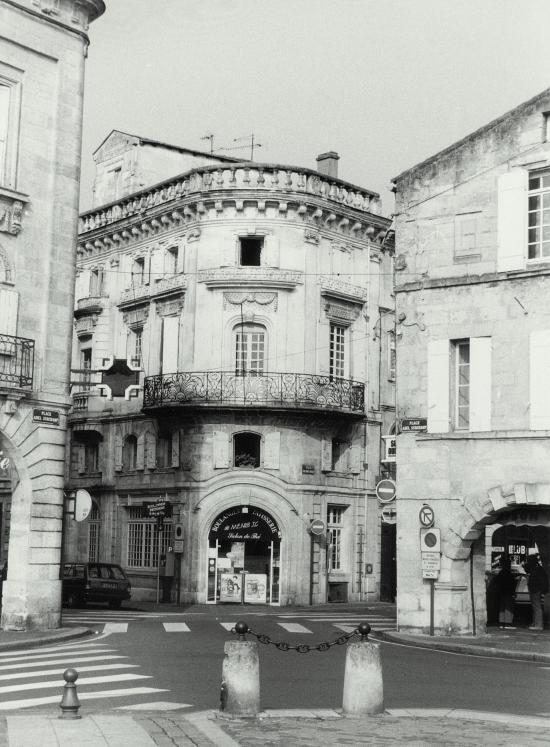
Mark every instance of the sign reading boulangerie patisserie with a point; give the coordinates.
(245, 524)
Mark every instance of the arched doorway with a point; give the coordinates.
(244, 551)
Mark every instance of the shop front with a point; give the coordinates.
(244, 552)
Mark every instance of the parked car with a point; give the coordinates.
(94, 582)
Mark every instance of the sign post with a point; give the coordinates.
(316, 528)
(158, 510)
(430, 550)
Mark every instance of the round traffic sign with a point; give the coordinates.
(385, 490)
(317, 526)
(426, 515)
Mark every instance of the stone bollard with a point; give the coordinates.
(363, 687)
(69, 702)
(240, 691)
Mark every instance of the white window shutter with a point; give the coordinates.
(170, 344)
(326, 455)
(480, 384)
(118, 453)
(539, 376)
(270, 252)
(438, 386)
(82, 285)
(355, 459)
(9, 303)
(150, 450)
(512, 220)
(157, 265)
(229, 251)
(140, 455)
(175, 457)
(221, 450)
(272, 449)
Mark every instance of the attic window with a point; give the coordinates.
(250, 251)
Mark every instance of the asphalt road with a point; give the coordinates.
(185, 666)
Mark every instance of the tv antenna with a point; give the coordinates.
(209, 136)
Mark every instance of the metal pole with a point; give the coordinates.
(432, 594)
(158, 562)
(311, 569)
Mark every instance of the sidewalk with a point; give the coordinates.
(422, 728)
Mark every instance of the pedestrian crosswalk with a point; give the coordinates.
(299, 623)
(38, 674)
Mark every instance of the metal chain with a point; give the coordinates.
(302, 648)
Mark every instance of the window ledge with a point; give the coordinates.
(12, 204)
(483, 435)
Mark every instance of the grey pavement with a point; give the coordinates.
(301, 728)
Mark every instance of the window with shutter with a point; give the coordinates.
(512, 220)
(221, 450)
(538, 233)
(539, 376)
(9, 305)
(438, 386)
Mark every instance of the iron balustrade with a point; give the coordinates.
(251, 389)
(16, 362)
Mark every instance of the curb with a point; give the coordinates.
(46, 639)
(460, 648)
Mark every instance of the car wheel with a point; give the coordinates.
(114, 604)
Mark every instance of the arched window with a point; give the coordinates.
(93, 534)
(250, 349)
(129, 453)
(247, 450)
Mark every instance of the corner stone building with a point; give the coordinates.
(246, 306)
(473, 351)
(42, 51)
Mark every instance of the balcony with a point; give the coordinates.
(16, 362)
(90, 305)
(170, 285)
(289, 391)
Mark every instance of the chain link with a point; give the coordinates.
(302, 648)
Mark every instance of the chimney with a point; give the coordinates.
(327, 163)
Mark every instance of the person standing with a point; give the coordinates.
(505, 583)
(537, 585)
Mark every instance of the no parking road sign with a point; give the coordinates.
(385, 491)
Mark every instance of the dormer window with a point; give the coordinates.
(250, 251)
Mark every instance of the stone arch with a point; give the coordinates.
(478, 511)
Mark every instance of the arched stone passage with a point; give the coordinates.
(32, 592)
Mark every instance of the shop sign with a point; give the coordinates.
(414, 425)
(45, 416)
(308, 469)
(244, 524)
(255, 588)
(159, 509)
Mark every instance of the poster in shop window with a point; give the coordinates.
(230, 587)
(255, 590)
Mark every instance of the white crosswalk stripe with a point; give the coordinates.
(26, 670)
(115, 628)
(176, 627)
(228, 626)
(294, 628)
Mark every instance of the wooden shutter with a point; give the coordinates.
(355, 459)
(170, 344)
(512, 220)
(480, 384)
(82, 285)
(9, 303)
(221, 450)
(272, 448)
(270, 252)
(140, 454)
(539, 376)
(157, 265)
(150, 450)
(229, 251)
(438, 386)
(81, 458)
(175, 456)
(118, 453)
(326, 455)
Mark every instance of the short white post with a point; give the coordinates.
(240, 691)
(363, 686)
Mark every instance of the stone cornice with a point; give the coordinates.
(345, 291)
(250, 277)
(220, 192)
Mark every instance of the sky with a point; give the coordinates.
(385, 83)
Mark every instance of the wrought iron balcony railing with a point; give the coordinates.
(227, 388)
(16, 362)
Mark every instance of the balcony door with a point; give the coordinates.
(250, 349)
